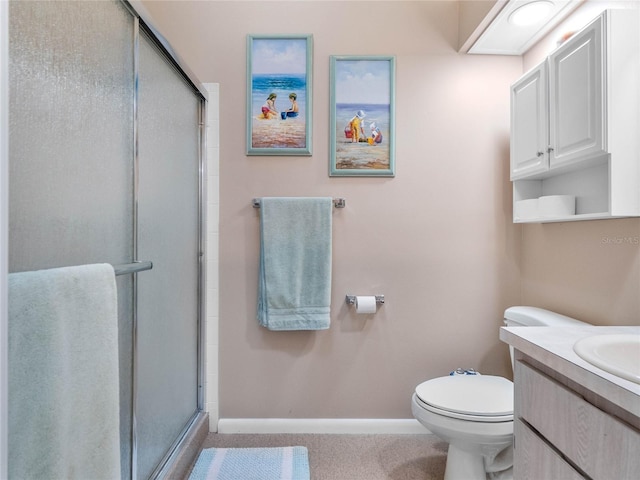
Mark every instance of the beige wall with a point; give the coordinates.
(436, 240)
(471, 16)
(588, 270)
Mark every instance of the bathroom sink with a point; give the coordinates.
(617, 354)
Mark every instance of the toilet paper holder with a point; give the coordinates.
(351, 299)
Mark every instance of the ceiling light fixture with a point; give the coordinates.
(531, 13)
(513, 26)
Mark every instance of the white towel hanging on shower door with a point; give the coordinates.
(64, 416)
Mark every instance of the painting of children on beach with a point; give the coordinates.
(362, 116)
(279, 95)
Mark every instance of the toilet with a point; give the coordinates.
(474, 412)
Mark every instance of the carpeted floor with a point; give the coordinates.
(355, 457)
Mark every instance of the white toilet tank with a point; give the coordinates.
(536, 317)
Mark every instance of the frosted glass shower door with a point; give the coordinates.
(71, 150)
(168, 234)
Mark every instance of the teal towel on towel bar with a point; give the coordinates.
(294, 288)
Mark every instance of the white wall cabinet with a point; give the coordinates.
(529, 124)
(576, 96)
(574, 122)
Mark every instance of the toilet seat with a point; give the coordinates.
(478, 398)
(463, 416)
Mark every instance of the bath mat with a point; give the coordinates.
(285, 463)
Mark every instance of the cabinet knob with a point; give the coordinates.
(540, 154)
(549, 149)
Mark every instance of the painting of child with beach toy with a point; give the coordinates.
(362, 116)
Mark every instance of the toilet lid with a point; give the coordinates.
(482, 395)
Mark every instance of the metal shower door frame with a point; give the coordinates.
(143, 23)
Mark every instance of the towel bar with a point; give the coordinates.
(132, 267)
(337, 203)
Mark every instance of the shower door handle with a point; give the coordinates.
(132, 267)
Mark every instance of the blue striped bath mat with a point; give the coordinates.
(285, 463)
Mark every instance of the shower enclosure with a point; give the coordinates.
(105, 166)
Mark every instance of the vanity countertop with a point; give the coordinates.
(553, 347)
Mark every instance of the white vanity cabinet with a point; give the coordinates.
(574, 122)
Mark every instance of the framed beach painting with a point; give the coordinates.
(279, 77)
(362, 116)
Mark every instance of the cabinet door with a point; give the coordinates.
(576, 83)
(529, 129)
(534, 459)
(584, 433)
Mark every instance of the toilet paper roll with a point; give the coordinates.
(366, 304)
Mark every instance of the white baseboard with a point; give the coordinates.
(322, 425)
